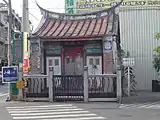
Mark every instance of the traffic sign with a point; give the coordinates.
(10, 74)
(129, 62)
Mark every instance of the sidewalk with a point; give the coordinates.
(143, 96)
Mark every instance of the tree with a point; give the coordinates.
(156, 59)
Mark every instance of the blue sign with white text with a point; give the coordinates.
(10, 74)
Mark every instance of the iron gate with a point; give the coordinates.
(68, 88)
(102, 86)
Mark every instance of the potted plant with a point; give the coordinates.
(156, 65)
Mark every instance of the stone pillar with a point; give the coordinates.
(108, 55)
(35, 57)
(85, 84)
(50, 80)
(108, 62)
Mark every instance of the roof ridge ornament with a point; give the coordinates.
(55, 15)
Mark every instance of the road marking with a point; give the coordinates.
(49, 113)
(125, 105)
(3, 94)
(148, 105)
(52, 112)
(21, 107)
(54, 116)
(40, 111)
(52, 107)
(152, 106)
(86, 118)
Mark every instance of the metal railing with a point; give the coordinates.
(102, 86)
(67, 87)
(37, 86)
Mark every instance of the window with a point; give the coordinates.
(97, 61)
(67, 59)
(56, 62)
(91, 61)
(50, 62)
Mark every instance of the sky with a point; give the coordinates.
(34, 12)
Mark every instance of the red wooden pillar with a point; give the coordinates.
(108, 55)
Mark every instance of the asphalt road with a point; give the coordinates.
(79, 111)
(107, 111)
(111, 111)
(3, 95)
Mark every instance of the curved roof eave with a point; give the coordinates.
(60, 24)
(44, 11)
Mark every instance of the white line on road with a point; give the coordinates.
(1, 95)
(51, 113)
(42, 108)
(125, 105)
(142, 105)
(21, 107)
(86, 118)
(42, 111)
(145, 105)
(54, 116)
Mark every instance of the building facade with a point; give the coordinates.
(70, 42)
(138, 26)
(138, 38)
(16, 26)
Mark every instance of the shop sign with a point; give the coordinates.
(53, 51)
(102, 4)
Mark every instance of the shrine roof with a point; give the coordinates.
(65, 26)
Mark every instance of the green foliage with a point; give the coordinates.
(157, 36)
(156, 59)
(156, 63)
(157, 50)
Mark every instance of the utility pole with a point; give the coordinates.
(25, 18)
(9, 33)
(25, 31)
(25, 27)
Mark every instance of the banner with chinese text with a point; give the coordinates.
(101, 4)
(17, 50)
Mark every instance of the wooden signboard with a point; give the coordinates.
(53, 51)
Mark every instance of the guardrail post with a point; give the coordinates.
(85, 84)
(50, 81)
